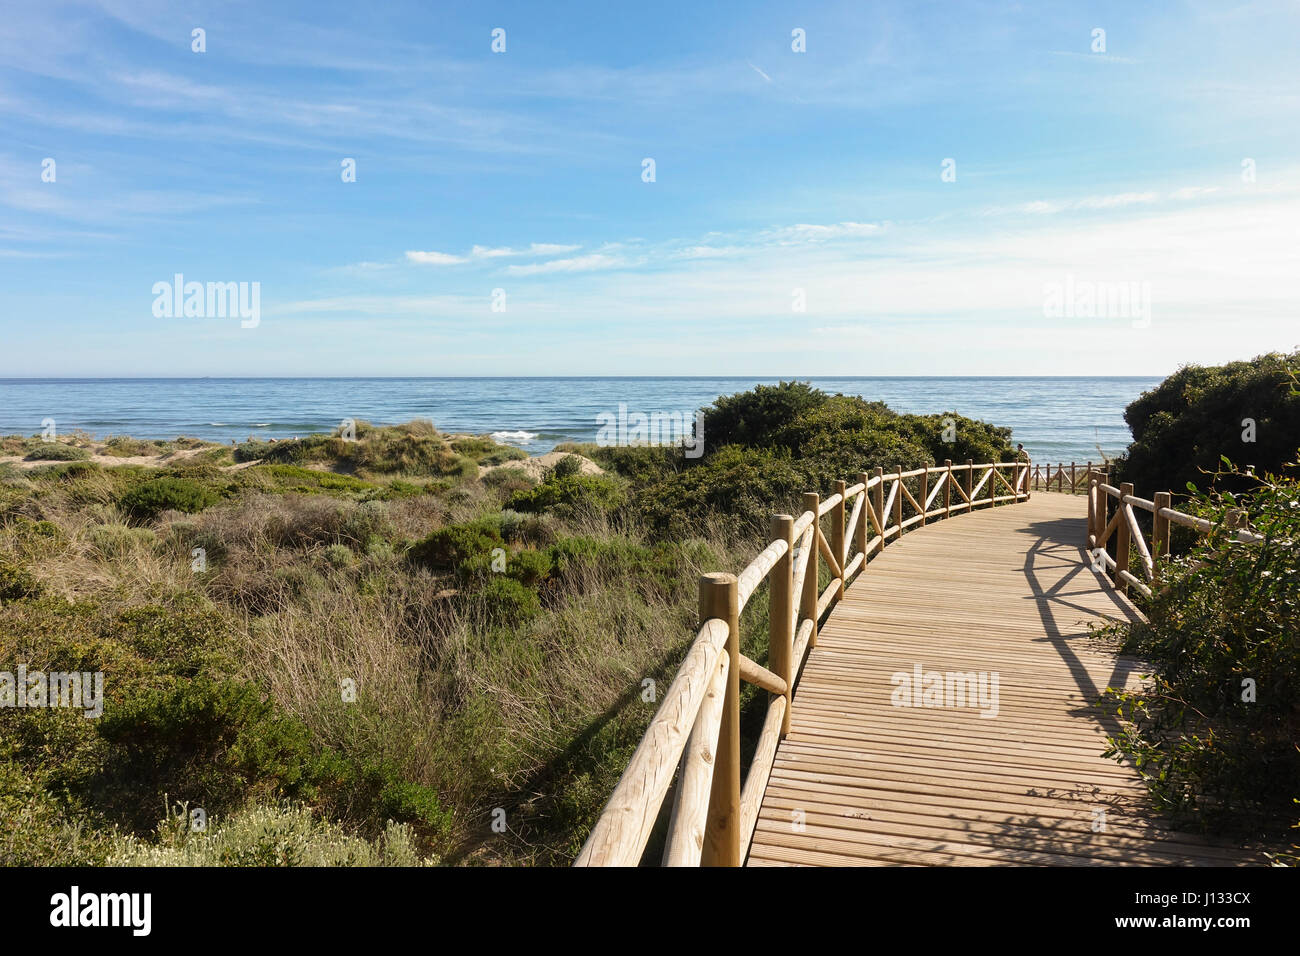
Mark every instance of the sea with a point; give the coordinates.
(1057, 419)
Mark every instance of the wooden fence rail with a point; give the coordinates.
(1069, 478)
(1129, 536)
(695, 734)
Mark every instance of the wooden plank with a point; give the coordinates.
(878, 784)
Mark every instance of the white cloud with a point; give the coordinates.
(806, 232)
(576, 264)
(708, 252)
(434, 258)
(534, 249)
(1090, 202)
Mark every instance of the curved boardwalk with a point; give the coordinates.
(1004, 592)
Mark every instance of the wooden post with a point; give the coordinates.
(947, 489)
(970, 482)
(720, 598)
(880, 504)
(837, 536)
(898, 505)
(925, 492)
(1099, 516)
(808, 599)
(1122, 535)
(1092, 517)
(780, 628)
(863, 521)
(1159, 535)
(1071, 477)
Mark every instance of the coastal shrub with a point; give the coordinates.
(292, 478)
(641, 464)
(743, 487)
(123, 446)
(658, 569)
(37, 830)
(1182, 426)
(507, 481)
(1214, 736)
(449, 547)
(16, 582)
(211, 741)
(280, 835)
(749, 418)
(501, 454)
(565, 467)
(519, 528)
(485, 451)
(145, 501)
(253, 451)
(570, 492)
(507, 603)
(338, 556)
(56, 451)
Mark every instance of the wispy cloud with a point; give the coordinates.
(533, 249)
(576, 264)
(434, 258)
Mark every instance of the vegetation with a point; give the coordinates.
(1249, 411)
(1215, 735)
(364, 651)
(56, 451)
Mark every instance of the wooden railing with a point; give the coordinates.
(1070, 479)
(1127, 531)
(695, 734)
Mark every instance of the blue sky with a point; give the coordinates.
(775, 171)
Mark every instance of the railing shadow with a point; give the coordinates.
(1064, 621)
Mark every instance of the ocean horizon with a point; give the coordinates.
(1057, 418)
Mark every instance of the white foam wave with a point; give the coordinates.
(513, 438)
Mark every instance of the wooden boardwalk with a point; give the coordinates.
(1003, 591)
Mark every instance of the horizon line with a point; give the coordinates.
(309, 378)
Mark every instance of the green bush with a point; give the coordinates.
(289, 835)
(566, 466)
(208, 742)
(70, 472)
(507, 603)
(17, 582)
(292, 478)
(568, 493)
(147, 500)
(1183, 426)
(518, 528)
(449, 547)
(57, 451)
(254, 451)
(1225, 620)
(338, 556)
(750, 418)
(123, 446)
(501, 454)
